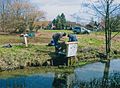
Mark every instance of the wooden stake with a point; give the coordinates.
(25, 40)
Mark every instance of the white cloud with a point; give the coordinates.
(69, 7)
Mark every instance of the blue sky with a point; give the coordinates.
(69, 7)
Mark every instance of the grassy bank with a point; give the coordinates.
(38, 53)
(18, 56)
(38, 70)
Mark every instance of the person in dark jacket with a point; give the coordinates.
(72, 38)
(57, 36)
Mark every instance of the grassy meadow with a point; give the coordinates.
(37, 53)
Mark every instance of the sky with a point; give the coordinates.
(74, 10)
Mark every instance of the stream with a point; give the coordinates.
(95, 75)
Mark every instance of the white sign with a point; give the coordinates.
(72, 49)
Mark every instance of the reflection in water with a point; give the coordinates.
(60, 80)
(63, 81)
(96, 75)
(110, 78)
(112, 82)
(106, 74)
(34, 81)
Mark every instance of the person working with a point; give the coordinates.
(72, 38)
(57, 36)
(58, 45)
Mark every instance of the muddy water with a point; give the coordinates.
(95, 75)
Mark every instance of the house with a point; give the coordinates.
(72, 24)
(94, 26)
(42, 24)
(45, 24)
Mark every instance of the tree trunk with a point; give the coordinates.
(107, 31)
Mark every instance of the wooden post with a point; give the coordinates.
(69, 61)
(72, 60)
(25, 40)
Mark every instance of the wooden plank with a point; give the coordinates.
(71, 43)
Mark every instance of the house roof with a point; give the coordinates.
(73, 23)
(42, 23)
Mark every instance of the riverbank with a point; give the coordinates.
(43, 69)
(38, 54)
(19, 57)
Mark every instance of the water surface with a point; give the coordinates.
(95, 75)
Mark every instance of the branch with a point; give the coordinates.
(103, 4)
(111, 2)
(115, 20)
(98, 10)
(117, 7)
(115, 35)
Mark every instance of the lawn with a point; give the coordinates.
(37, 53)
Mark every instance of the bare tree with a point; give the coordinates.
(18, 15)
(3, 13)
(109, 10)
(27, 15)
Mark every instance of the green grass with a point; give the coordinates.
(20, 55)
(35, 70)
(88, 46)
(54, 31)
(10, 39)
(88, 41)
(102, 33)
